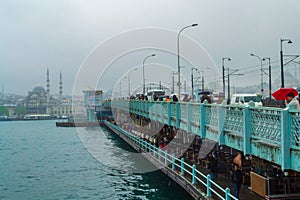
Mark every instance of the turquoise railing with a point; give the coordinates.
(269, 133)
(178, 166)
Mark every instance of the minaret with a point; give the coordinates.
(48, 91)
(60, 87)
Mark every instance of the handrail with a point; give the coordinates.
(276, 130)
(153, 152)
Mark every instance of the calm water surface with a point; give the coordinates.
(41, 161)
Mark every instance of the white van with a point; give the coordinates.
(244, 99)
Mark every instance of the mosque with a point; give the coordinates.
(39, 101)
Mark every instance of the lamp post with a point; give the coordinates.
(214, 77)
(121, 85)
(173, 86)
(281, 59)
(144, 89)
(202, 80)
(262, 74)
(270, 75)
(223, 73)
(129, 93)
(178, 56)
(192, 79)
(232, 73)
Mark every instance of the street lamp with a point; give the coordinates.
(144, 90)
(129, 93)
(192, 79)
(270, 75)
(173, 87)
(281, 59)
(232, 73)
(121, 85)
(214, 77)
(262, 74)
(223, 74)
(202, 80)
(178, 56)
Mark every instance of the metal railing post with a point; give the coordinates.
(193, 174)
(202, 119)
(169, 113)
(188, 112)
(182, 166)
(221, 122)
(247, 128)
(173, 161)
(178, 115)
(166, 158)
(159, 153)
(285, 139)
(227, 192)
(208, 192)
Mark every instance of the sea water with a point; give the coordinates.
(41, 161)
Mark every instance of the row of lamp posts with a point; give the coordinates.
(223, 68)
(262, 71)
(152, 55)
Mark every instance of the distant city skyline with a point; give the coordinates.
(59, 35)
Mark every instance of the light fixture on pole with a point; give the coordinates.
(223, 73)
(270, 76)
(281, 59)
(129, 93)
(192, 79)
(120, 82)
(178, 56)
(202, 80)
(144, 85)
(214, 77)
(262, 72)
(228, 79)
(173, 85)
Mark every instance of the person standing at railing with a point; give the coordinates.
(168, 99)
(291, 101)
(237, 179)
(213, 166)
(175, 99)
(205, 97)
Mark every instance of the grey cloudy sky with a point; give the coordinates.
(59, 34)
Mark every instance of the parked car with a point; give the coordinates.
(244, 99)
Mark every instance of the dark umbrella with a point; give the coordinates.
(281, 93)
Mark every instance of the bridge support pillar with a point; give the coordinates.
(169, 113)
(285, 139)
(188, 111)
(178, 115)
(221, 123)
(202, 120)
(247, 129)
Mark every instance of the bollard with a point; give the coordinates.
(182, 166)
(208, 192)
(193, 174)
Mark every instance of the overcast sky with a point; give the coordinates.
(60, 34)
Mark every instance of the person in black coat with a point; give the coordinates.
(213, 166)
(175, 99)
(237, 179)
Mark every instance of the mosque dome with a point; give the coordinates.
(36, 101)
(38, 90)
